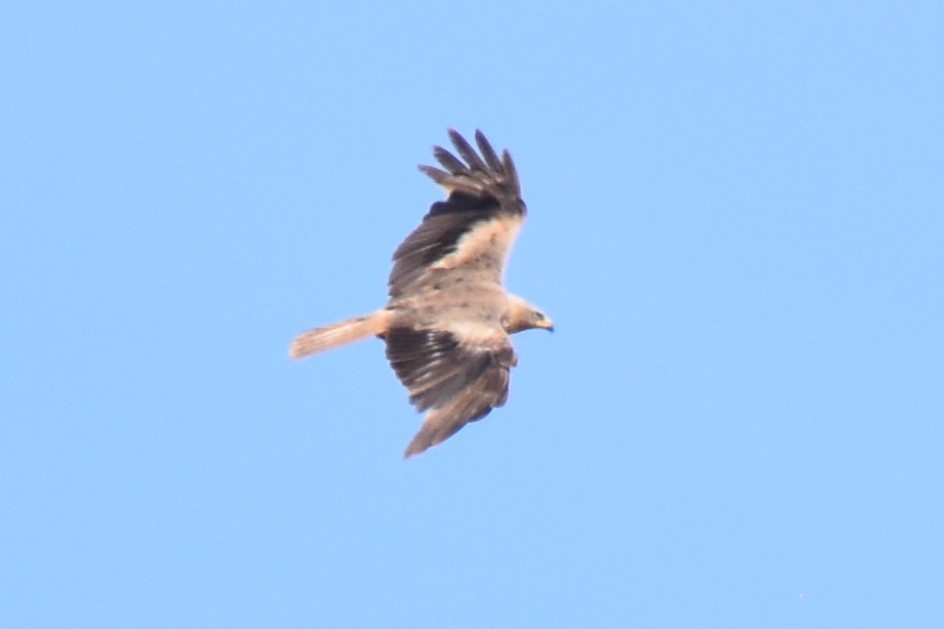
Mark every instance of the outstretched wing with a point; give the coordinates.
(458, 377)
(472, 231)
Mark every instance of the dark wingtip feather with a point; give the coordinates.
(491, 158)
(476, 175)
(449, 161)
(466, 151)
(432, 433)
(419, 445)
(429, 435)
(439, 176)
(510, 171)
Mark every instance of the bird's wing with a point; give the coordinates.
(459, 375)
(472, 231)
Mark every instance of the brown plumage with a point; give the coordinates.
(448, 320)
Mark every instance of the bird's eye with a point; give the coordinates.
(537, 316)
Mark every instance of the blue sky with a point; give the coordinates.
(735, 222)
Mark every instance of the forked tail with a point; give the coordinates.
(338, 334)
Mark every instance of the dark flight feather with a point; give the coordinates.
(435, 367)
(479, 191)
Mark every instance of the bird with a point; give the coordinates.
(448, 321)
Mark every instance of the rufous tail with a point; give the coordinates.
(338, 334)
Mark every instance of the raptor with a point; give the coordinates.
(449, 320)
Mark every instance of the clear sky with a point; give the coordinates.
(736, 222)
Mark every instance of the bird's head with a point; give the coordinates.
(522, 315)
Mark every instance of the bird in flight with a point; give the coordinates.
(448, 321)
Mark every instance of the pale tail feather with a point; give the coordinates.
(338, 334)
